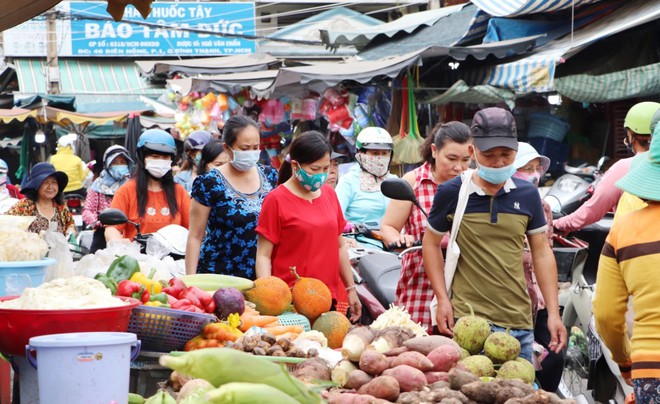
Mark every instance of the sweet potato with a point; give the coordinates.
(354, 398)
(385, 387)
(373, 362)
(313, 369)
(444, 357)
(414, 359)
(432, 377)
(409, 378)
(396, 351)
(457, 378)
(428, 343)
(483, 392)
(505, 393)
(358, 378)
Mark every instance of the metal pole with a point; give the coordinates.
(53, 73)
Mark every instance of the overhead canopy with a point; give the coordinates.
(500, 49)
(319, 76)
(16, 12)
(259, 80)
(536, 73)
(513, 8)
(482, 94)
(631, 83)
(156, 122)
(16, 114)
(463, 25)
(310, 29)
(216, 65)
(62, 117)
(83, 76)
(360, 37)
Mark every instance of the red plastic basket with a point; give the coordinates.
(18, 326)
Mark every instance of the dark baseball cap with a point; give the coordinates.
(334, 155)
(494, 127)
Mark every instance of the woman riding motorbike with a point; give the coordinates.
(152, 198)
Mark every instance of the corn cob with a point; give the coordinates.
(248, 393)
(224, 365)
(213, 282)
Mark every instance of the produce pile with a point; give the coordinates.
(391, 364)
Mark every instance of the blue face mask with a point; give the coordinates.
(495, 175)
(311, 182)
(119, 172)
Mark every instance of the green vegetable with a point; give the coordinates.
(253, 393)
(108, 282)
(161, 397)
(135, 398)
(219, 366)
(159, 297)
(123, 268)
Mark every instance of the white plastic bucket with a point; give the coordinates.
(85, 368)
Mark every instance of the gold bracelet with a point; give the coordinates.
(351, 287)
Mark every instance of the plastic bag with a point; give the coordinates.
(58, 249)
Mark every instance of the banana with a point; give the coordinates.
(213, 282)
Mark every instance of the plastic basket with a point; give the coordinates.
(543, 124)
(290, 318)
(163, 330)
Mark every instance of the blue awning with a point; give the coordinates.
(512, 8)
(536, 73)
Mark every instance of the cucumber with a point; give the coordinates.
(213, 282)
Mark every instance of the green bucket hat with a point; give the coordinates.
(643, 179)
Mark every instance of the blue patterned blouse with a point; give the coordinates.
(230, 243)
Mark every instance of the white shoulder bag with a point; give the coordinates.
(453, 251)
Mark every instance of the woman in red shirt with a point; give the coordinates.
(301, 222)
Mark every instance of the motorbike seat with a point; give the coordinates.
(581, 171)
(381, 271)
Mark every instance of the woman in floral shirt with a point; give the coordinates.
(44, 200)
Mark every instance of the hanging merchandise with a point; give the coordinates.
(409, 140)
(272, 113)
(335, 109)
(309, 104)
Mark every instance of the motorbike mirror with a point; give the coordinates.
(601, 162)
(400, 190)
(112, 216)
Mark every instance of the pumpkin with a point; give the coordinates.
(334, 326)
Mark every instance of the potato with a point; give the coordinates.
(313, 369)
(414, 359)
(516, 383)
(409, 378)
(483, 392)
(426, 344)
(358, 378)
(444, 357)
(373, 362)
(273, 349)
(385, 387)
(264, 345)
(445, 393)
(457, 378)
(270, 339)
(506, 393)
(259, 351)
(433, 377)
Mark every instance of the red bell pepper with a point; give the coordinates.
(187, 305)
(176, 287)
(199, 298)
(132, 289)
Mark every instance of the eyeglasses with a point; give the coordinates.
(531, 169)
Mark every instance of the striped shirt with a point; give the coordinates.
(629, 266)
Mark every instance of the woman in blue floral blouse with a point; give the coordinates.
(225, 205)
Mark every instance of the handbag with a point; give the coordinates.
(453, 251)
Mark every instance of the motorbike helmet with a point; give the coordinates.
(374, 138)
(67, 140)
(157, 140)
(196, 140)
(638, 119)
(655, 120)
(112, 152)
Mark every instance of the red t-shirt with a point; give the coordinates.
(305, 234)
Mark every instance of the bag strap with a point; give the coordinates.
(463, 196)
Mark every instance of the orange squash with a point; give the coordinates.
(334, 326)
(311, 297)
(271, 295)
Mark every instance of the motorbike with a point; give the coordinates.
(377, 268)
(74, 202)
(169, 240)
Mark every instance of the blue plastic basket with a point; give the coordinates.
(290, 318)
(17, 275)
(163, 330)
(543, 124)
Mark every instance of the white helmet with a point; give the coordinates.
(67, 140)
(374, 138)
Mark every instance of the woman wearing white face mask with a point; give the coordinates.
(358, 190)
(151, 198)
(226, 202)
